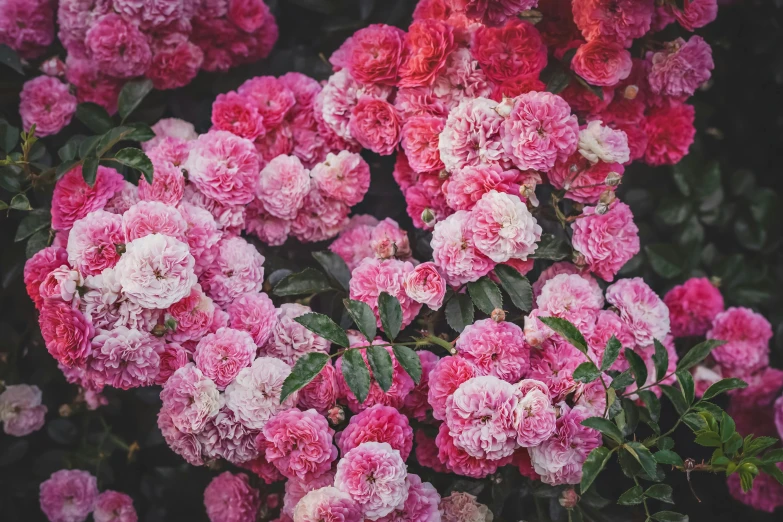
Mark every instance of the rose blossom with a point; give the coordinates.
(283, 185)
(170, 127)
(374, 53)
(69, 495)
(619, 20)
(374, 475)
(454, 251)
(459, 461)
(374, 276)
(427, 45)
(156, 271)
(221, 355)
(503, 227)
(118, 47)
(681, 67)
(37, 269)
(402, 383)
(670, 133)
(173, 357)
(512, 51)
(190, 398)
(344, 176)
(421, 504)
(21, 411)
(295, 490)
(73, 198)
(447, 375)
(288, 340)
(378, 423)
(192, 316)
(598, 142)
(466, 186)
(237, 269)
(602, 62)
(254, 396)
(420, 142)
(766, 495)
(496, 348)
(153, 217)
(95, 242)
(463, 507)
(416, 404)
(693, 306)
(184, 444)
(553, 363)
(607, 241)
(168, 183)
(584, 182)
(254, 313)
(389, 240)
(299, 444)
(46, 103)
(539, 130)
(113, 506)
(237, 114)
(321, 393)
(375, 124)
(643, 311)
(534, 416)
(426, 452)
(125, 358)
(696, 13)
(66, 333)
(425, 285)
(327, 504)
(62, 283)
(230, 498)
(472, 135)
(747, 336)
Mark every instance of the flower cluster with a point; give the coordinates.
(71, 495)
(27, 27)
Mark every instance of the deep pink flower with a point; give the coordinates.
(766, 495)
(125, 358)
(320, 218)
(466, 186)
(113, 506)
(27, 27)
(173, 357)
(175, 61)
(620, 20)
(747, 336)
(66, 332)
(38, 267)
(221, 355)
(427, 452)
(509, 52)
(534, 416)
(344, 176)
(237, 114)
(299, 444)
(602, 62)
(283, 185)
(670, 133)
(571, 297)
(420, 142)
(46, 103)
(583, 181)
(641, 309)
(378, 423)
(681, 68)
(696, 13)
(192, 316)
(454, 250)
(326, 504)
(118, 47)
(427, 45)
(458, 461)
(73, 198)
(69, 495)
(607, 241)
(416, 404)
(375, 124)
(496, 348)
(426, 285)
(374, 276)
(402, 384)
(321, 393)
(374, 54)
(230, 498)
(190, 399)
(420, 506)
(237, 269)
(254, 313)
(692, 306)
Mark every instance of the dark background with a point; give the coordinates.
(718, 214)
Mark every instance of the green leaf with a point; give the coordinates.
(622, 380)
(409, 360)
(94, 117)
(660, 359)
(551, 247)
(586, 372)
(665, 259)
(662, 492)
(709, 439)
(695, 421)
(652, 402)
(674, 395)
(390, 312)
(9, 136)
(459, 312)
(774, 456)
(11, 179)
(643, 456)
(666, 443)
(746, 480)
(558, 80)
(20, 202)
(667, 456)
(638, 366)
(727, 428)
(362, 315)
(485, 295)
(686, 386)
(334, 266)
(136, 159)
(10, 58)
(325, 327)
(697, 354)
(633, 496)
(669, 516)
(308, 281)
(304, 371)
(723, 386)
(567, 330)
(673, 210)
(758, 445)
(611, 352)
(90, 170)
(774, 471)
(631, 416)
(33, 222)
(381, 364)
(70, 150)
(37, 242)
(64, 167)
(140, 132)
(733, 445)
(432, 339)
(131, 95)
(605, 426)
(356, 374)
(516, 285)
(88, 145)
(595, 463)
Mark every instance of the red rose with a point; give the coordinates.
(509, 52)
(602, 62)
(427, 45)
(670, 133)
(375, 53)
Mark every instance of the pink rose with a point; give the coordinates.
(425, 285)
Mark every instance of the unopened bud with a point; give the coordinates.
(529, 193)
(336, 415)
(505, 107)
(428, 217)
(606, 199)
(630, 92)
(120, 248)
(689, 464)
(159, 330)
(531, 15)
(65, 410)
(749, 467)
(568, 499)
(272, 500)
(612, 179)
(443, 174)
(716, 281)
(498, 315)
(579, 260)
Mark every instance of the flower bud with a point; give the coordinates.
(443, 174)
(749, 467)
(529, 193)
(428, 217)
(568, 498)
(498, 315)
(65, 410)
(336, 415)
(159, 330)
(505, 107)
(612, 179)
(579, 260)
(630, 92)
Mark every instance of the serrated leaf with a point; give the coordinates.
(774, 456)
(308, 281)
(516, 286)
(668, 457)
(568, 331)
(11, 179)
(666, 443)
(356, 374)
(622, 380)
(551, 247)
(723, 386)
(362, 315)
(774, 471)
(390, 312)
(643, 456)
(90, 170)
(325, 327)
(733, 445)
(485, 295)
(758, 445)
(459, 312)
(131, 95)
(727, 428)
(334, 266)
(660, 359)
(708, 439)
(20, 202)
(695, 421)
(611, 352)
(633, 496)
(652, 403)
(381, 364)
(669, 516)
(586, 372)
(140, 132)
(674, 395)
(686, 386)
(33, 222)
(631, 416)
(595, 463)
(10, 58)
(304, 371)
(409, 360)
(94, 117)
(662, 492)
(605, 426)
(697, 354)
(638, 366)
(136, 159)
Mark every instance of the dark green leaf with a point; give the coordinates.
(733, 445)
(686, 386)
(90, 170)
(9, 136)
(622, 380)
(666, 443)
(10, 58)
(62, 431)
(304, 371)
(308, 281)
(334, 266)
(668, 457)
(665, 259)
(631, 497)
(94, 117)
(595, 463)
(653, 404)
(88, 146)
(558, 80)
(70, 150)
(459, 312)
(697, 354)
(390, 312)
(673, 210)
(727, 428)
(36, 243)
(567, 330)
(669, 516)
(662, 492)
(552, 247)
(64, 168)
(140, 132)
(20, 202)
(643, 456)
(598, 91)
(517, 286)
(695, 421)
(674, 395)
(586, 372)
(362, 315)
(325, 327)
(605, 426)
(318, 6)
(409, 360)
(638, 366)
(11, 179)
(131, 95)
(381, 364)
(631, 416)
(773, 456)
(774, 471)
(33, 222)
(660, 359)
(356, 374)
(611, 352)
(136, 159)
(723, 386)
(485, 295)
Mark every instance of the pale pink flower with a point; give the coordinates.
(327, 504)
(344, 176)
(223, 436)
(299, 444)
(153, 217)
(254, 396)
(237, 269)
(599, 142)
(320, 218)
(282, 186)
(496, 348)
(107, 307)
(170, 127)
(168, 183)
(425, 285)
(221, 355)
(254, 313)
(466, 186)
(570, 297)
(62, 283)
(503, 227)
(184, 444)
(190, 399)
(378, 423)
(95, 242)
(454, 251)
(420, 506)
(458, 461)
(125, 358)
(641, 309)
(69, 495)
(374, 276)
(202, 235)
(472, 135)
(230, 498)
(606, 240)
(534, 415)
(463, 507)
(113, 506)
(288, 340)
(21, 411)
(389, 240)
(123, 199)
(447, 375)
